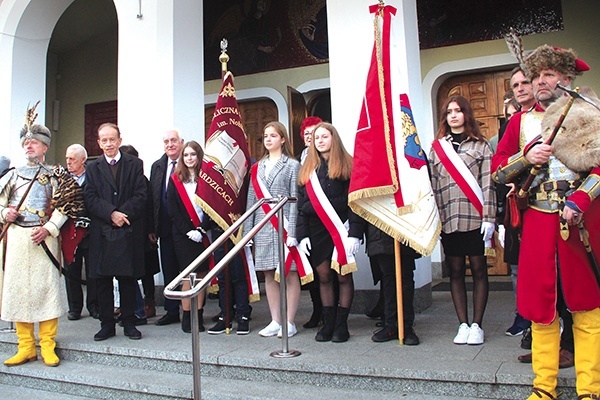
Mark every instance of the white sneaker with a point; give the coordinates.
(291, 330)
(270, 330)
(475, 335)
(462, 335)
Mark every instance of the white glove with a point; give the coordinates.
(501, 234)
(195, 235)
(347, 225)
(305, 246)
(352, 244)
(291, 242)
(487, 229)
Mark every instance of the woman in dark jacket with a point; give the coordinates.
(329, 164)
(187, 217)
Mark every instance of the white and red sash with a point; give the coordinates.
(189, 207)
(340, 260)
(460, 173)
(305, 271)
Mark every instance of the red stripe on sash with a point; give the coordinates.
(327, 222)
(457, 176)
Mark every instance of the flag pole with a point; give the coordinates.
(224, 59)
(399, 303)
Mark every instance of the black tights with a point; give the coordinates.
(457, 267)
(326, 286)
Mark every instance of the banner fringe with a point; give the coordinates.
(426, 251)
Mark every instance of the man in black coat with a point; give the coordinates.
(162, 227)
(115, 197)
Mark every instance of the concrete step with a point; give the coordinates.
(23, 393)
(434, 368)
(78, 381)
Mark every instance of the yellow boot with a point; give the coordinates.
(586, 334)
(47, 344)
(545, 350)
(26, 348)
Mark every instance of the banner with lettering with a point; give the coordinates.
(223, 181)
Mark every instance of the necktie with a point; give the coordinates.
(113, 161)
(173, 164)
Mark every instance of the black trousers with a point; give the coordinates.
(106, 303)
(170, 270)
(386, 265)
(75, 290)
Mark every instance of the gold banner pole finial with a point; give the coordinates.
(224, 57)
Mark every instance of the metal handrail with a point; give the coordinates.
(198, 285)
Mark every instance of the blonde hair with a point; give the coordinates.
(339, 163)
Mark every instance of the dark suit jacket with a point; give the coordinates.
(158, 183)
(116, 251)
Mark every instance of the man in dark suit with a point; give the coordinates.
(163, 227)
(75, 158)
(115, 197)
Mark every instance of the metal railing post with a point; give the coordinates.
(195, 339)
(285, 352)
(197, 285)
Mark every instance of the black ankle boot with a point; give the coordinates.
(186, 322)
(326, 331)
(340, 333)
(201, 327)
(315, 318)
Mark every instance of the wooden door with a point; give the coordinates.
(255, 115)
(297, 110)
(97, 114)
(485, 92)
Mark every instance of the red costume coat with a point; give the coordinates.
(541, 245)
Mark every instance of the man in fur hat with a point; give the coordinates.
(31, 288)
(552, 255)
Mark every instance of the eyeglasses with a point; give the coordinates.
(307, 133)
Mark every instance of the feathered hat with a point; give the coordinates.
(578, 144)
(561, 60)
(31, 130)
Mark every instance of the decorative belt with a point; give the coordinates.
(28, 224)
(561, 188)
(548, 195)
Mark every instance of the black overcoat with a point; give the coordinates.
(116, 251)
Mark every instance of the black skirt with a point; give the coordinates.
(187, 250)
(460, 244)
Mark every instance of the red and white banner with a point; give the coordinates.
(223, 181)
(398, 198)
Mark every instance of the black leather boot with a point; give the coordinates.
(326, 331)
(186, 322)
(340, 333)
(317, 313)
